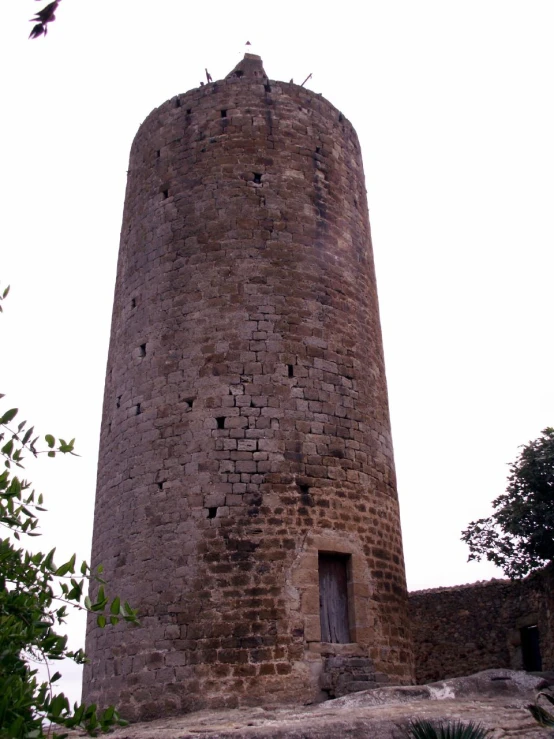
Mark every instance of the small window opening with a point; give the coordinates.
(267, 87)
(212, 512)
(177, 103)
(333, 598)
(110, 427)
(239, 73)
(220, 420)
(189, 111)
(189, 402)
(142, 350)
(133, 302)
(158, 152)
(118, 403)
(161, 485)
(531, 649)
(305, 496)
(224, 114)
(290, 368)
(137, 409)
(341, 117)
(318, 149)
(258, 178)
(165, 194)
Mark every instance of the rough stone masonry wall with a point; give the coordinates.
(245, 423)
(465, 629)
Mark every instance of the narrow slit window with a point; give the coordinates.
(290, 368)
(224, 114)
(212, 512)
(133, 302)
(161, 485)
(137, 409)
(142, 350)
(333, 598)
(220, 420)
(165, 194)
(118, 403)
(158, 152)
(177, 103)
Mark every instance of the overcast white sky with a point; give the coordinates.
(453, 105)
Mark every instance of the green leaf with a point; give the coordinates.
(8, 416)
(101, 621)
(50, 440)
(115, 606)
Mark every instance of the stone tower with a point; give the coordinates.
(246, 497)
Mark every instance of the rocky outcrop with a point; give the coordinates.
(494, 698)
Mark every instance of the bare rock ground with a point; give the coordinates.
(494, 698)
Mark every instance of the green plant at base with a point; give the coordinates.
(422, 729)
(34, 596)
(540, 714)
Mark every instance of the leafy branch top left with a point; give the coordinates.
(43, 18)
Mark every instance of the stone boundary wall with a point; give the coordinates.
(467, 628)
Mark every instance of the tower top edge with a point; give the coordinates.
(251, 67)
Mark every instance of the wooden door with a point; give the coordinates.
(333, 598)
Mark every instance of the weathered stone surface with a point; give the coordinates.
(384, 713)
(245, 424)
(459, 630)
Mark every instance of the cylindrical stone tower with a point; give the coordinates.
(246, 496)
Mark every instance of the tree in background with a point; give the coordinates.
(34, 596)
(519, 536)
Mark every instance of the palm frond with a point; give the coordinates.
(423, 729)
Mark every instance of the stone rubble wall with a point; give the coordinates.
(468, 628)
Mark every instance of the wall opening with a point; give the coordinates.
(177, 103)
(290, 369)
(258, 178)
(333, 597)
(220, 420)
(530, 648)
(133, 302)
(118, 402)
(165, 194)
(189, 402)
(158, 153)
(212, 512)
(137, 409)
(142, 350)
(224, 114)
